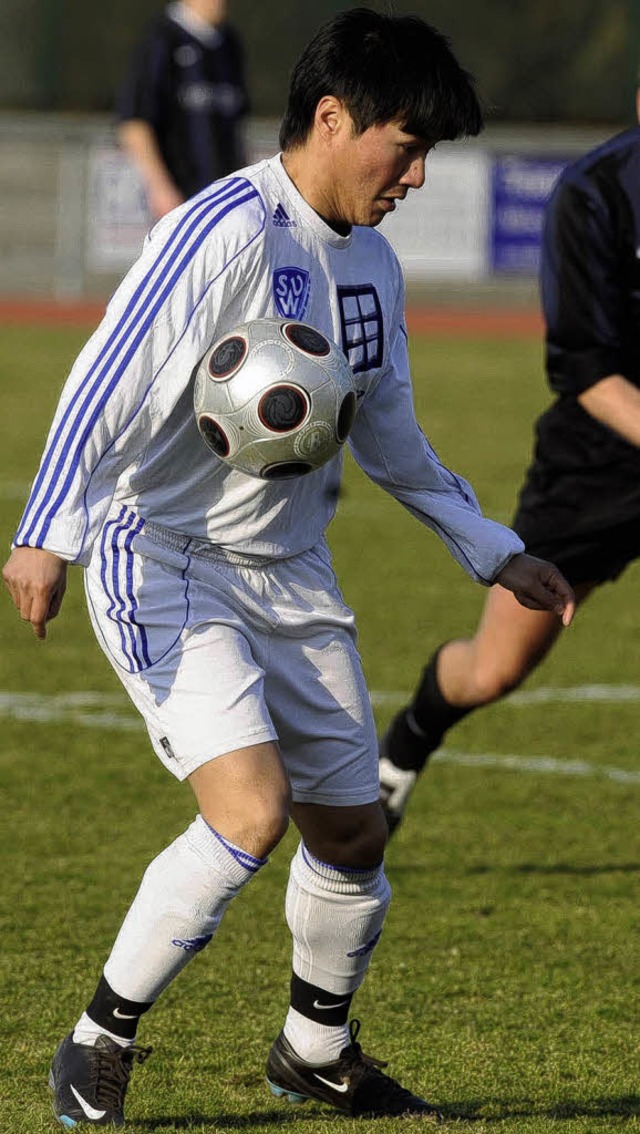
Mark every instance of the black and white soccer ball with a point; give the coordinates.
(274, 398)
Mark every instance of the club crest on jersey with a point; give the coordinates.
(362, 326)
(291, 292)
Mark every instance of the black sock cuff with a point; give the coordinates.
(418, 729)
(115, 1013)
(319, 1005)
(431, 710)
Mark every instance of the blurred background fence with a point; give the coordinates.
(556, 76)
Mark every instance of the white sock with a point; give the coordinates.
(180, 903)
(313, 1042)
(86, 1031)
(335, 916)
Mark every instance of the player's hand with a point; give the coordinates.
(538, 585)
(36, 580)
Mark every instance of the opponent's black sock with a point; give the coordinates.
(418, 729)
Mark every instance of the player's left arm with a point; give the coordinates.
(390, 447)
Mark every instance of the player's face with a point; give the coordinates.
(375, 170)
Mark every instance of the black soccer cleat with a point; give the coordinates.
(353, 1083)
(89, 1083)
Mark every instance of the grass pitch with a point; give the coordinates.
(505, 987)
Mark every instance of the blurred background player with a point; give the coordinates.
(580, 503)
(182, 106)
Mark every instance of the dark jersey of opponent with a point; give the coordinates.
(583, 487)
(192, 91)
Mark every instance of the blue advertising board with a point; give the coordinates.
(521, 187)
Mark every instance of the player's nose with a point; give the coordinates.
(415, 174)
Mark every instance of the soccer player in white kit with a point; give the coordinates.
(212, 593)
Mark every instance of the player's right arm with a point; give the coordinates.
(36, 580)
(133, 371)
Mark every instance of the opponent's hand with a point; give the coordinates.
(36, 580)
(538, 585)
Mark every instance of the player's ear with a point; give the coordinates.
(331, 117)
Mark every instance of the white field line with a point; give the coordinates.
(92, 710)
(545, 765)
(545, 695)
(109, 711)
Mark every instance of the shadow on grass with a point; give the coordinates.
(274, 1118)
(499, 1110)
(590, 870)
(628, 1106)
(559, 868)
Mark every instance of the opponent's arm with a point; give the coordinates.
(585, 304)
(615, 402)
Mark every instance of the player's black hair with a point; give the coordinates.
(384, 69)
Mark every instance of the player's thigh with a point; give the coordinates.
(183, 655)
(319, 703)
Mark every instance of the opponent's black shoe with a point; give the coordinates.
(353, 1083)
(89, 1083)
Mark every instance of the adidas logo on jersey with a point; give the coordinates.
(281, 218)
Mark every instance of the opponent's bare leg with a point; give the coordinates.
(462, 675)
(508, 645)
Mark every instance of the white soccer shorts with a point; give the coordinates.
(218, 655)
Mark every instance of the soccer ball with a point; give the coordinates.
(274, 398)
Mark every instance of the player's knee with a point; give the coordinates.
(356, 844)
(264, 825)
(491, 683)
(257, 827)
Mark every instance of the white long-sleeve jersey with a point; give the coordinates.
(124, 432)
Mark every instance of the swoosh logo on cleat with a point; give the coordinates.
(341, 1088)
(89, 1110)
(325, 1007)
(121, 1016)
